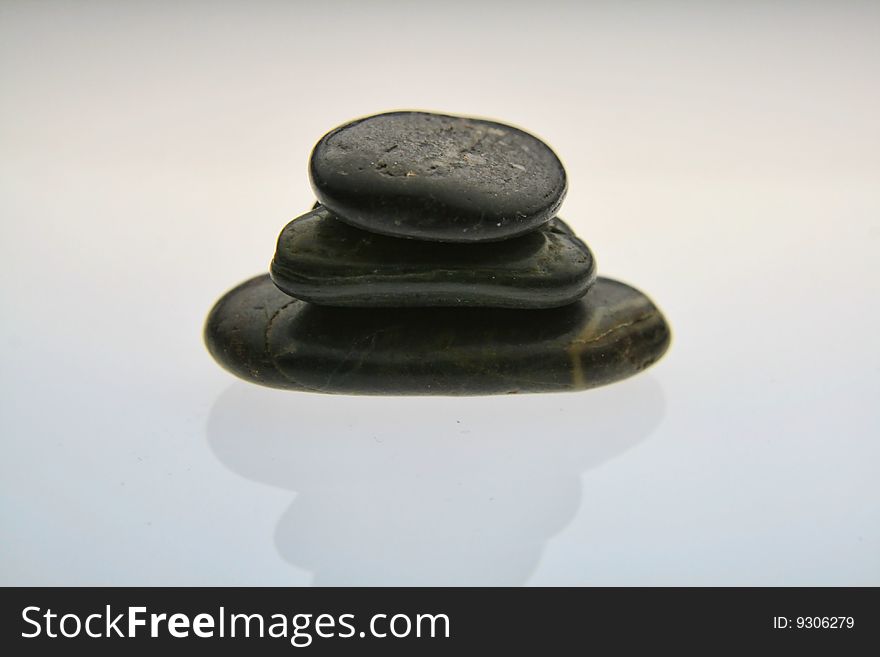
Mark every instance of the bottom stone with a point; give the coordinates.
(264, 336)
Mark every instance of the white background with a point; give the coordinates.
(722, 157)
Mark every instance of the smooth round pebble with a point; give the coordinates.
(326, 261)
(437, 177)
(264, 336)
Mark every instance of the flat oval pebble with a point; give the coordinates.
(325, 261)
(264, 336)
(437, 177)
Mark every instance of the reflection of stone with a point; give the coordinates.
(426, 490)
(266, 337)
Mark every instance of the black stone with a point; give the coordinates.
(264, 336)
(323, 260)
(437, 177)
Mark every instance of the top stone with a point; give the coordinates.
(437, 177)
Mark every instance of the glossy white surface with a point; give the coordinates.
(723, 158)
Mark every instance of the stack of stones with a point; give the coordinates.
(434, 263)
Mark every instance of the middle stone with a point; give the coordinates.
(328, 262)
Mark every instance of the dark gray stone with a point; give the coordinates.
(437, 177)
(323, 260)
(264, 336)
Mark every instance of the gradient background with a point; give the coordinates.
(724, 157)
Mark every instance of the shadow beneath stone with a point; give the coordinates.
(426, 490)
